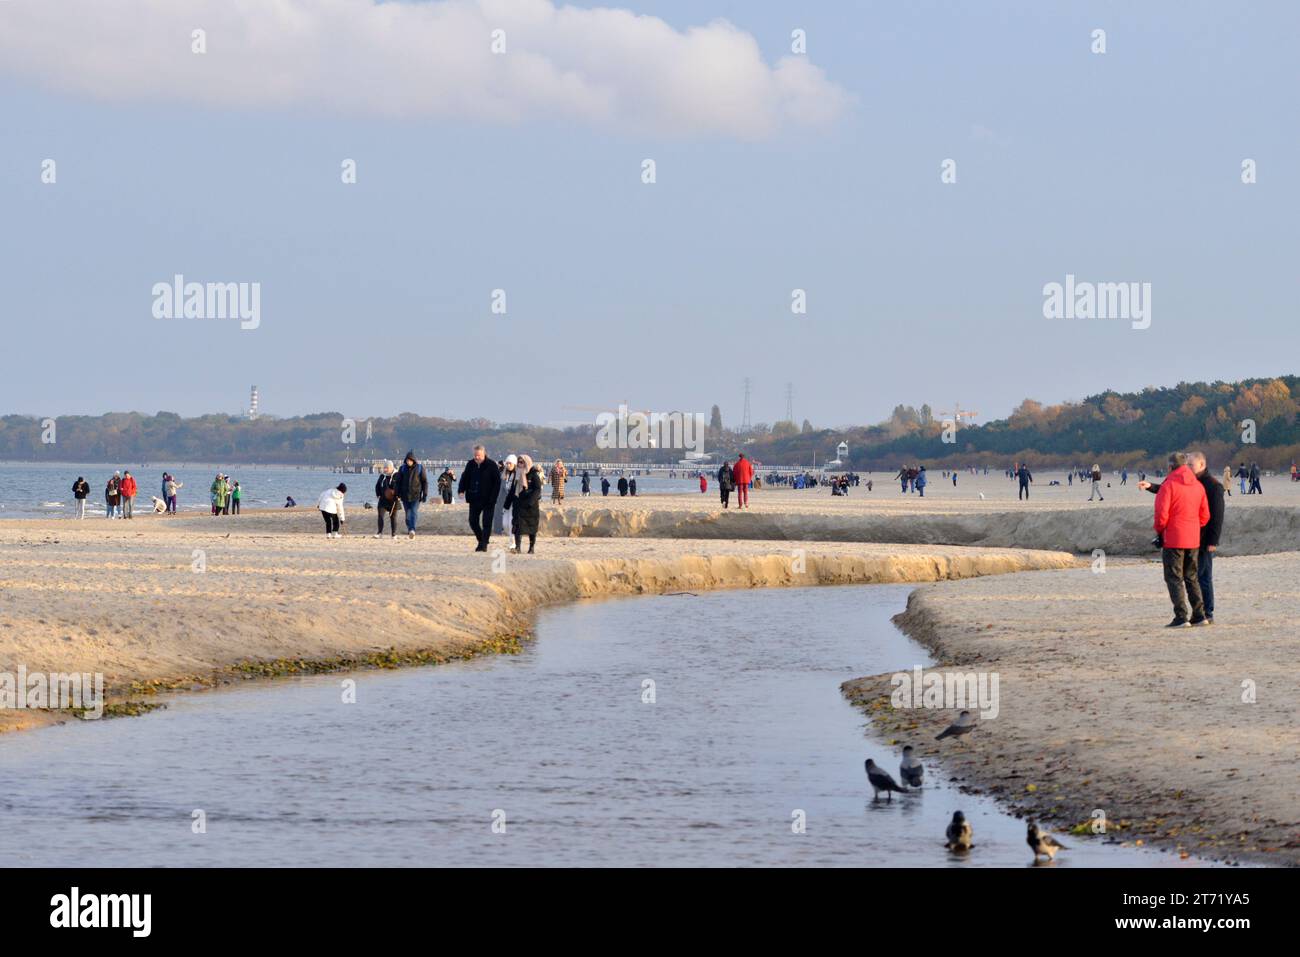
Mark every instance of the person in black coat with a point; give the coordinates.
(412, 485)
(604, 486)
(622, 485)
(725, 483)
(1210, 531)
(524, 500)
(480, 481)
(387, 500)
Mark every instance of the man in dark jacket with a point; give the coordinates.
(412, 488)
(1025, 478)
(1210, 532)
(480, 482)
(622, 485)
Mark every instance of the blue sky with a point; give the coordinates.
(375, 296)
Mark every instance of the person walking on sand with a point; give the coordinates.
(112, 494)
(330, 504)
(742, 474)
(1182, 509)
(129, 489)
(387, 500)
(479, 483)
(1243, 474)
(445, 482)
(622, 485)
(921, 481)
(704, 483)
(726, 482)
(1096, 484)
(1254, 480)
(501, 519)
(236, 496)
(412, 487)
(586, 484)
(1227, 480)
(604, 485)
(1211, 531)
(558, 475)
(1025, 477)
(80, 489)
(524, 501)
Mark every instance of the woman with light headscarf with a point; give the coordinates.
(525, 502)
(501, 520)
(387, 500)
(558, 474)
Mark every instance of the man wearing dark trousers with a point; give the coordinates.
(479, 484)
(1210, 532)
(1182, 510)
(1025, 478)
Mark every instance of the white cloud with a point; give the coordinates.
(605, 67)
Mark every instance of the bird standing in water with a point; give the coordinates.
(1043, 843)
(959, 833)
(881, 781)
(910, 771)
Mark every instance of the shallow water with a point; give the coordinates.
(748, 725)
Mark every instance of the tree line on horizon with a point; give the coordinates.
(1137, 429)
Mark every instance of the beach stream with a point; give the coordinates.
(555, 756)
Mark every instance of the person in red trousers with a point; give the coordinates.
(742, 473)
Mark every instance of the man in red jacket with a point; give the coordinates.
(1181, 510)
(742, 473)
(129, 488)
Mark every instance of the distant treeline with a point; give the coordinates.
(1112, 428)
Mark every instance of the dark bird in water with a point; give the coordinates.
(1043, 843)
(910, 771)
(959, 833)
(964, 724)
(881, 781)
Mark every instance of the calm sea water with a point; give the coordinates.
(35, 490)
(558, 744)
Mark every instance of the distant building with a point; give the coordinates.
(252, 404)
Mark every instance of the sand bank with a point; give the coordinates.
(1101, 708)
(187, 602)
(1055, 519)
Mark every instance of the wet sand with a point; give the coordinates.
(1104, 709)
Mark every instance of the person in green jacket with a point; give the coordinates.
(220, 490)
(235, 494)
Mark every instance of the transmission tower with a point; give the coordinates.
(746, 425)
(789, 401)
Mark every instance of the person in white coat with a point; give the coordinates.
(331, 509)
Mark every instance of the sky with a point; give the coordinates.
(522, 170)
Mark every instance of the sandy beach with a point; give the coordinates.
(1101, 708)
